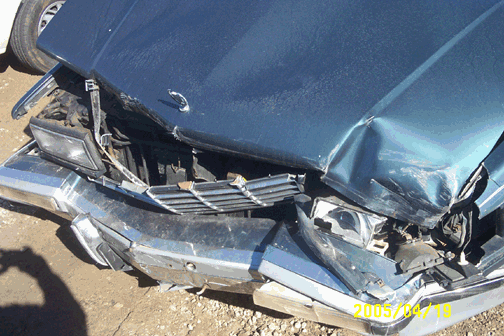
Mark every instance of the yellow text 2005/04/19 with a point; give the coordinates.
(406, 310)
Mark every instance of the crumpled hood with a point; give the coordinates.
(395, 102)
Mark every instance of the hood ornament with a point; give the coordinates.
(184, 105)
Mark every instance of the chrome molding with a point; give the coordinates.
(89, 237)
(38, 91)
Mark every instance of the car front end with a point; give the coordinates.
(331, 165)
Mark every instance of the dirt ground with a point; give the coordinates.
(49, 286)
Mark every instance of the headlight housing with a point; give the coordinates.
(70, 147)
(350, 223)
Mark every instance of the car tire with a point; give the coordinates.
(25, 32)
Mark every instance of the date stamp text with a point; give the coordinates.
(406, 310)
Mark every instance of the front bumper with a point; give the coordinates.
(244, 255)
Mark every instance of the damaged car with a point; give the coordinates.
(339, 161)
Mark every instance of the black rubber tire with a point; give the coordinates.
(25, 33)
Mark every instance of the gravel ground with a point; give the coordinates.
(49, 286)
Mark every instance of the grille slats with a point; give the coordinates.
(237, 197)
(229, 195)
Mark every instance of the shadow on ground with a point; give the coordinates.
(9, 59)
(61, 314)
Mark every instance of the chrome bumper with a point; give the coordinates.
(245, 255)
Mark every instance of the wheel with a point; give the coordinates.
(33, 16)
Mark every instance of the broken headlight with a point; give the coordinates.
(71, 147)
(350, 223)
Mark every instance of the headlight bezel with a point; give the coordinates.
(369, 224)
(86, 159)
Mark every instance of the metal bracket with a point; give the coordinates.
(91, 85)
(94, 91)
(105, 139)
